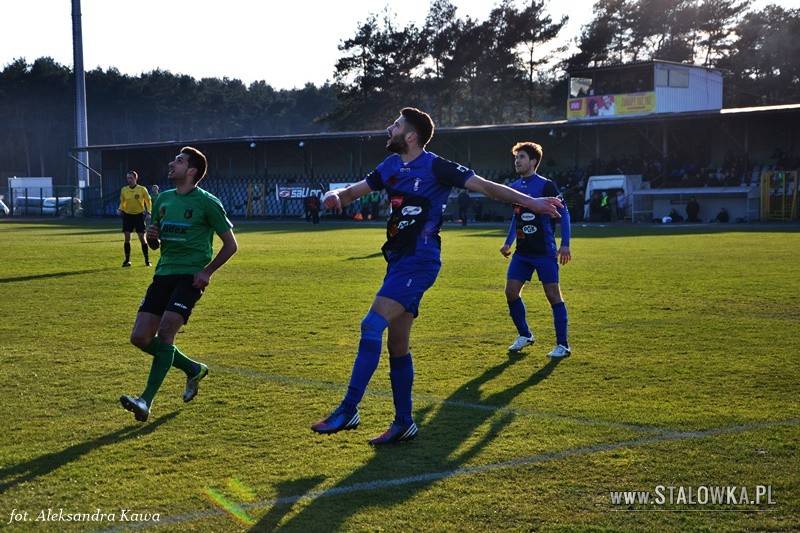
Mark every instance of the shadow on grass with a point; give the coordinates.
(33, 277)
(613, 230)
(397, 473)
(41, 466)
(370, 256)
(286, 491)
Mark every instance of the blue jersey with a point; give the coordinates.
(418, 192)
(535, 233)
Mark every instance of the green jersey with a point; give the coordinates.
(187, 224)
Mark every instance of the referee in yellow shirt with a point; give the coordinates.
(134, 206)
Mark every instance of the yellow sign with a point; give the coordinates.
(611, 105)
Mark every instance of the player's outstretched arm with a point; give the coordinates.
(336, 199)
(503, 193)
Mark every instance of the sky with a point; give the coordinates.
(286, 44)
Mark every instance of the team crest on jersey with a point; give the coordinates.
(392, 180)
(136, 196)
(162, 211)
(187, 213)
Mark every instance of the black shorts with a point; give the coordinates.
(132, 223)
(174, 293)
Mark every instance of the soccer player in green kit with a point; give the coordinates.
(185, 220)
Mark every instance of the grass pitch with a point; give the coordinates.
(683, 379)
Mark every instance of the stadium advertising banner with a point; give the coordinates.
(298, 192)
(611, 105)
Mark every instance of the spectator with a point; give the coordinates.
(692, 210)
(595, 208)
(313, 205)
(605, 208)
(722, 216)
(675, 216)
(477, 209)
(463, 207)
(307, 208)
(622, 205)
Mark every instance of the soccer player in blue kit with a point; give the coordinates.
(536, 250)
(418, 184)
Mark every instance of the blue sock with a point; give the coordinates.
(401, 374)
(560, 322)
(369, 353)
(517, 312)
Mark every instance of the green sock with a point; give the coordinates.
(162, 361)
(180, 361)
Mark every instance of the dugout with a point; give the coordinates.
(743, 203)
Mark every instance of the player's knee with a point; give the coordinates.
(512, 295)
(373, 325)
(397, 348)
(139, 340)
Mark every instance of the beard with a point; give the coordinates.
(397, 145)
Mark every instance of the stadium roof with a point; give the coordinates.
(563, 124)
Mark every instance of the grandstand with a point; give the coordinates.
(678, 140)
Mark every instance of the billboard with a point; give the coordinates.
(611, 105)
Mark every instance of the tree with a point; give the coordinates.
(717, 24)
(377, 71)
(764, 61)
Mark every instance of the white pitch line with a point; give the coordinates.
(430, 477)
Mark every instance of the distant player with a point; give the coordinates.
(418, 184)
(184, 223)
(134, 206)
(536, 250)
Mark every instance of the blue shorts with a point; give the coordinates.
(522, 268)
(407, 278)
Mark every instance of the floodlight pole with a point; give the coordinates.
(81, 133)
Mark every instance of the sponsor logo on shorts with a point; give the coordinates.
(529, 230)
(527, 217)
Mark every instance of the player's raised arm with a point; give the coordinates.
(503, 193)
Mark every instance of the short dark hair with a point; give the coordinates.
(533, 150)
(135, 175)
(196, 160)
(421, 122)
